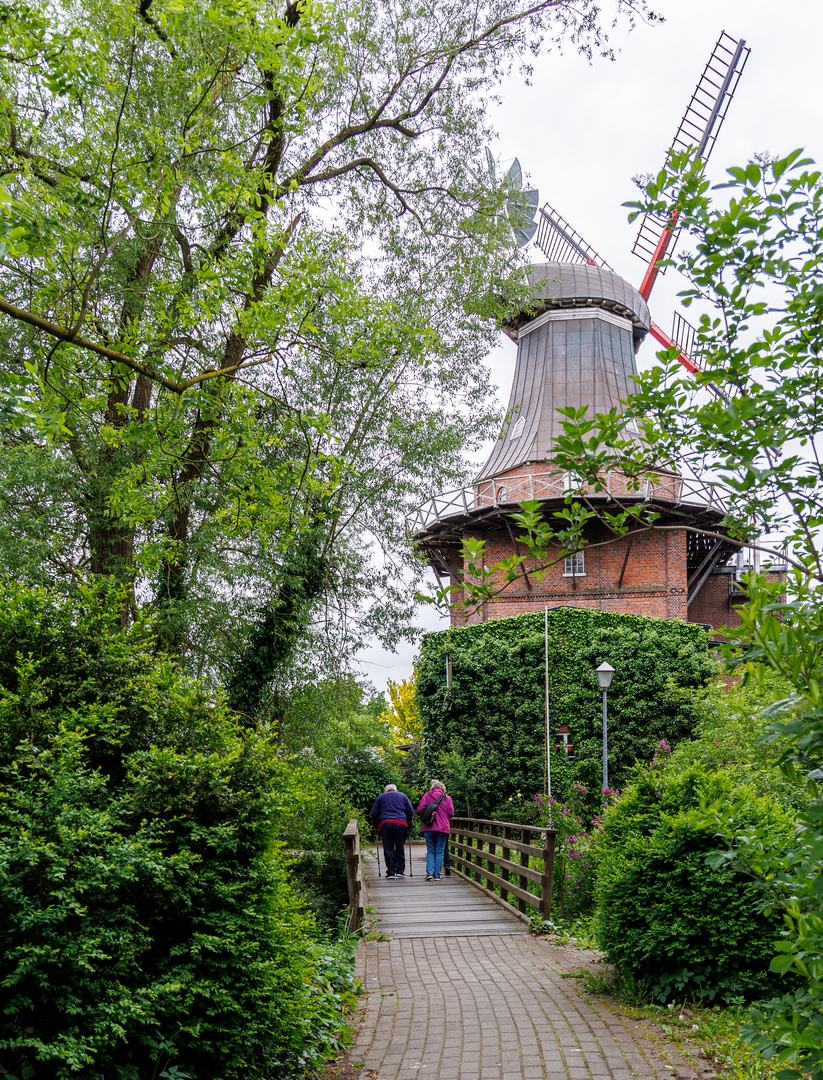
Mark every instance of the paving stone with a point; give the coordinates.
(491, 1006)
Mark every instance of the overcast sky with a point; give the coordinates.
(582, 131)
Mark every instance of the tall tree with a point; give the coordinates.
(252, 256)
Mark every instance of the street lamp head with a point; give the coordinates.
(605, 673)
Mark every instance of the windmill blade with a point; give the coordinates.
(698, 130)
(523, 233)
(514, 177)
(530, 199)
(683, 338)
(560, 243)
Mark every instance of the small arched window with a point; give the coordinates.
(517, 430)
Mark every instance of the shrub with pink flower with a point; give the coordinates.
(661, 754)
(578, 820)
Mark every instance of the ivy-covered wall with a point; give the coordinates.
(493, 712)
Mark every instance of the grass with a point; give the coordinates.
(715, 1031)
(706, 1035)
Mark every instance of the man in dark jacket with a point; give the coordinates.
(392, 815)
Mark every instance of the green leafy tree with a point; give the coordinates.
(251, 258)
(757, 261)
(729, 735)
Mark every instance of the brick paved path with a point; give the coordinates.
(493, 1008)
(485, 1005)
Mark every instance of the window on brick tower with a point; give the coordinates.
(575, 565)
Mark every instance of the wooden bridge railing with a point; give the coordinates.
(482, 851)
(354, 874)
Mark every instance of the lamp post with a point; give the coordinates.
(605, 674)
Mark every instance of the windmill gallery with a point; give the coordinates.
(576, 347)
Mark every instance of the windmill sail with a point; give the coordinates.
(698, 131)
(684, 335)
(560, 243)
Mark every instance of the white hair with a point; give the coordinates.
(437, 783)
(390, 787)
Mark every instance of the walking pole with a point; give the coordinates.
(377, 847)
(411, 863)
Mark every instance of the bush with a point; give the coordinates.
(145, 917)
(664, 917)
(729, 735)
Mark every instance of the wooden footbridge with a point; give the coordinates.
(501, 873)
(414, 907)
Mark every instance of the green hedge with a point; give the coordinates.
(671, 924)
(493, 713)
(146, 921)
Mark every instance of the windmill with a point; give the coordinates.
(576, 346)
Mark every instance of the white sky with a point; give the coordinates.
(582, 131)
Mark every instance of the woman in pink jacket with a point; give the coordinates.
(437, 831)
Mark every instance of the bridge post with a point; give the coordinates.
(354, 873)
(479, 845)
(490, 867)
(523, 880)
(547, 879)
(507, 854)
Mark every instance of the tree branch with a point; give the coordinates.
(153, 24)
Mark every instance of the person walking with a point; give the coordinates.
(437, 828)
(392, 816)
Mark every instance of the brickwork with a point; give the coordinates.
(711, 605)
(717, 601)
(446, 1001)
(644, 577)
(497, 1008)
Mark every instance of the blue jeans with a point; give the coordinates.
(435, 846)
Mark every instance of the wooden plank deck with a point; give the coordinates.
(414, 907)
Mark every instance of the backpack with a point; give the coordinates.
(430, 809)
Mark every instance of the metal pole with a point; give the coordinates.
(411, 865)
(546, 667)
(605, 744)
(377, 846)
